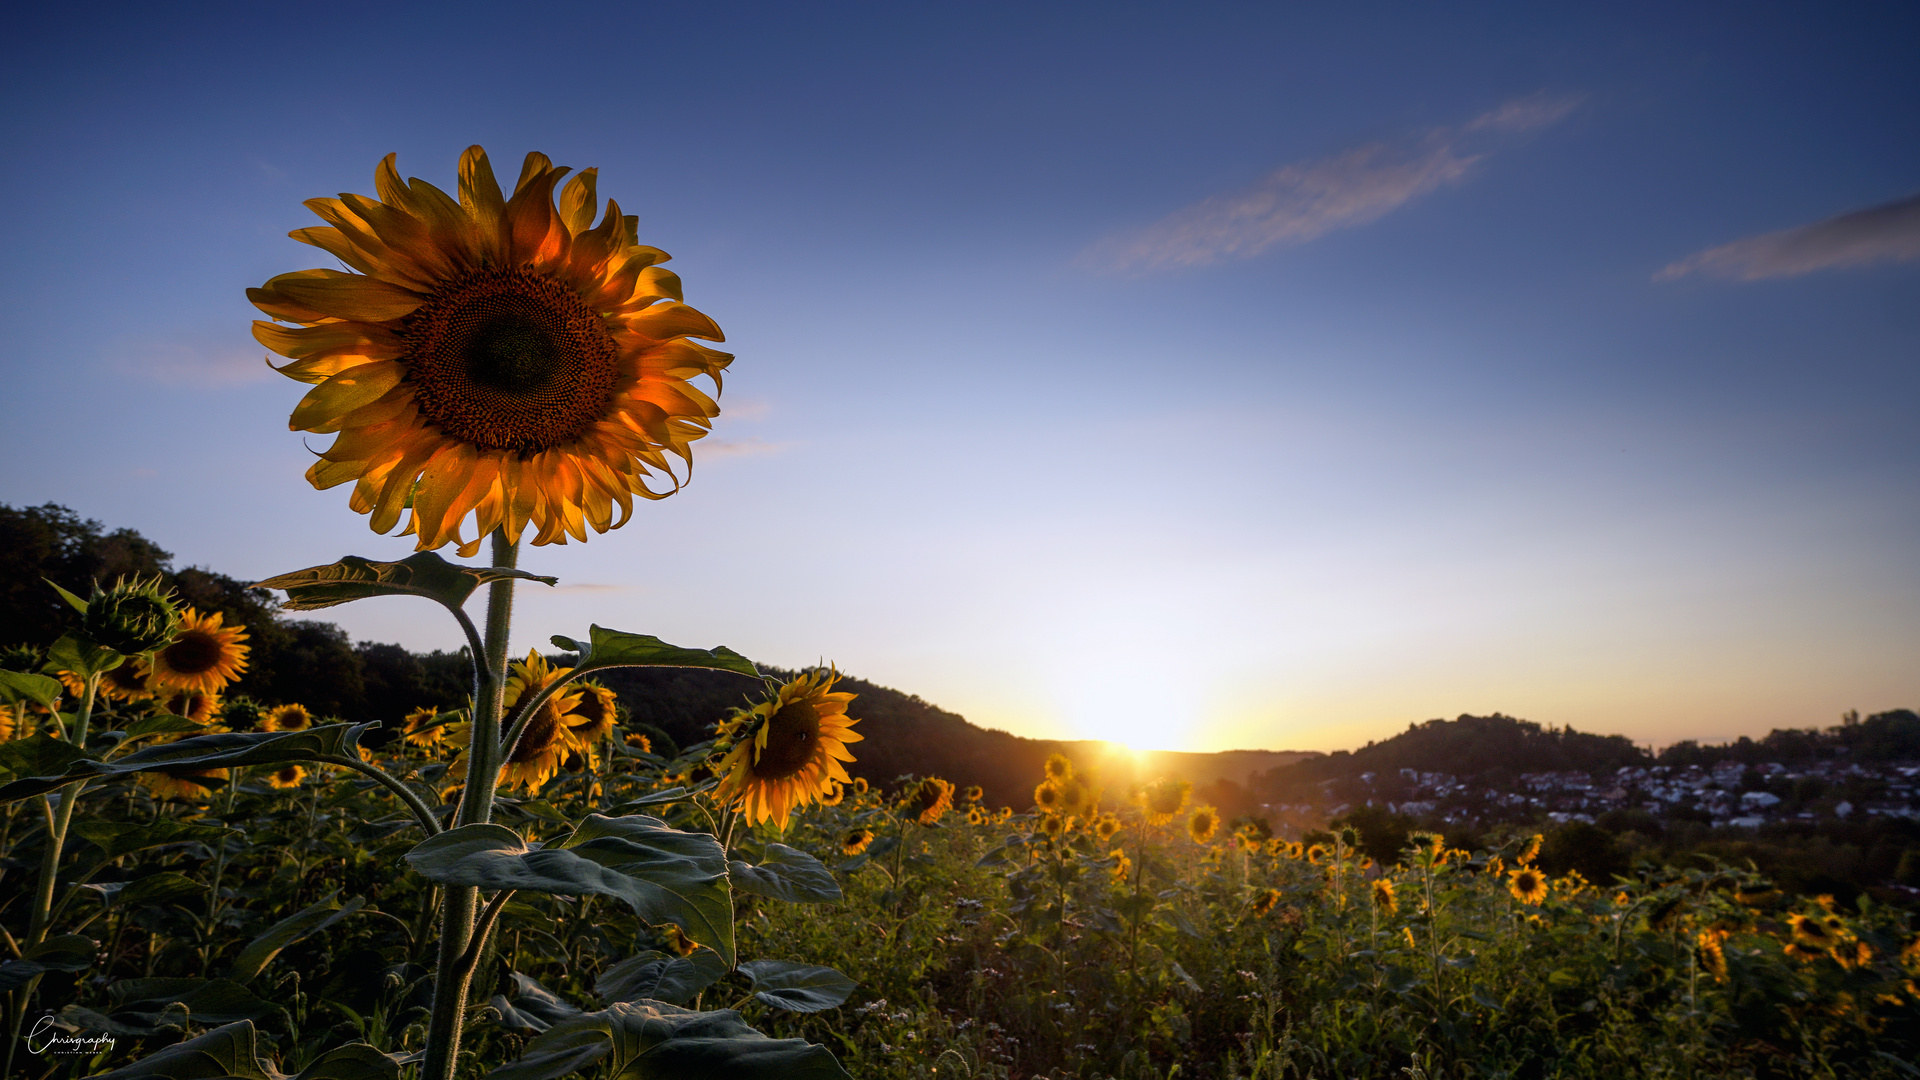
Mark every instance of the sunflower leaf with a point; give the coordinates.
(201, 753)
(261, 950)
(81, 656)
(652, 1040)
(118, 838)
(787, 874)
(797, 987)
(664, 874)
(424, 573)
(42, 690)
(616, 648)
(656, 976)
(230, 1051)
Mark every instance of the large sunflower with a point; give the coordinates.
(790, 747)
(500, 357)
(203, 655)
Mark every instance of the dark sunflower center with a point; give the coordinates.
(791, 737)
(508, 360)
(193, 654)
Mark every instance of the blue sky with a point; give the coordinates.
(1221, 376)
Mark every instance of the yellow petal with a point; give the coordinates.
(325, 404)
(348, 296)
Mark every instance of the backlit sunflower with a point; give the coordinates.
(928, 801)
(1051, 825)
(790, 747)
(10, 728)
(1164, 798)
(1122, 866)
(591, 719)
(1058, 767)
(1075, 798)
(500, 357)
(546, 741)
(422, 727)
(1203, 824)
(1383, 897)
(1046, 795)
(287, 718)
(203, 655)
(287, 776)
(1529, 886)
(973, 793)
(1106, 827)
(1531, 851)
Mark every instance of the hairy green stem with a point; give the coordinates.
(421, 811)
(452, 977)
(57, 822)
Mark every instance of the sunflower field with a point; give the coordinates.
(521, 888)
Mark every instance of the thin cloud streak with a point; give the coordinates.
(1886, 233)
(1299, 203)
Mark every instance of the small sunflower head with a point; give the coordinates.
(1710, 955)
(21, 657)
(290, 717)
(676, 940)
(1530, 851)
(1122, 866)
(1051, 825)
(929, 800)
(640, 742)
(422, 727)
(859, 785)
(973, 794)
(286, 776)
(1106, 828)
(203, 654)
(1203, 824)
(1264, 902)
(240, 713)
(1047, 796)
(1812, 932)
(1348, 836)
(1529, 886)
(1383, 897)
(1164, 798)
(855, 841)
(1058, 767)
(1318, 854)
(1667, 913)
(835, 794)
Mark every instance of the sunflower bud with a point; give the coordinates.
(132, 618)
(21, 658)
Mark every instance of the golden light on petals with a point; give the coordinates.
(203, 656)
(545, 742)
(795, 752)
(503, 360)
(422, 728)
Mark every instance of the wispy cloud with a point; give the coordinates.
(726, 448)
(1886, 233)
(192, 360)
(1302, 202)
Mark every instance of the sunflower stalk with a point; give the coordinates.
(452, 974)
(58, 819)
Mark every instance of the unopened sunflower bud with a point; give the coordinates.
(133, 617)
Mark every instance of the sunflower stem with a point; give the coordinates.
(452, 976)
(57, 821)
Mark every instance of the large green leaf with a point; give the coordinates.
(531, 1008)
(67, 952)
(118, 838)
(651, 1040)
(156, 889)
(145, 1006)
(41, 689)
(222, 751)
(230, 1051)
(160, 724)
(80, 656)
(261, 950)
(664, 874)
(615, 648)
(354, 1061)
(797, 987)
(658, 977)
(41, 755)
(422, 574)
(788, 874)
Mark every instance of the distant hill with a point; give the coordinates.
(908, 735)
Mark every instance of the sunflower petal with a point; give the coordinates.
(348, 296)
